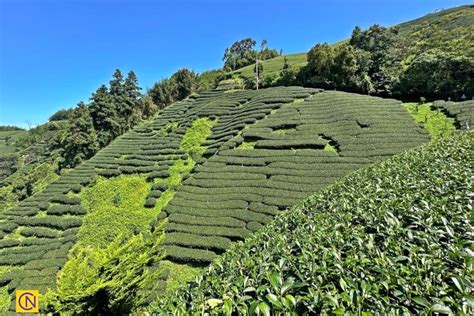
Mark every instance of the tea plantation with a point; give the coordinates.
(218, 166)
(462, 112)
(395, 238)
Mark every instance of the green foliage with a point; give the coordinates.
(437, 74)
(430, 56)
(27, 180)
(5, 299)
(110, 279)
(81, 141)
(179, 86)
(178, 274)
(10, 128)
(388, 239)
(462, 112)
(113, 111)
(337, 67)
(106, 218)
(60, 115)
(240, 54)
(434, 121)
(195, 136)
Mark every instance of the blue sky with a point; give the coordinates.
(55, 53)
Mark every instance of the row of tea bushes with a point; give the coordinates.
(463, 112)
(43, 227)
(395, 238)
(247, 186)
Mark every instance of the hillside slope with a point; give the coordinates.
(218, 165)
(450, 29)
(393, 238)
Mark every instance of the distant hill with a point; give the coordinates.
(450, 29)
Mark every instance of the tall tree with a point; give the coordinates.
(240, 54)
(317, 72)
(380, 42)
(438, 74)
(104, 116)
(133, 101)
(185, 81)
(81, 140)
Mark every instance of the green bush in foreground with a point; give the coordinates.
(393, 238)
(110, 280)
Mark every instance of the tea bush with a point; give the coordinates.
(394, 238)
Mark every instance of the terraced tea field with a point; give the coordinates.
(8, 139)
(256, 154)
(462, 112)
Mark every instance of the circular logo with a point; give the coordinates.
(27, 301)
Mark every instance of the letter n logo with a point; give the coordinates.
(27, 301)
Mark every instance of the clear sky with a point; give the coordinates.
(55, 53)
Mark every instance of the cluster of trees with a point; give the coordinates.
(242, 53)
(112, 111)
(60, 115)
(375, 62)
(179, 86)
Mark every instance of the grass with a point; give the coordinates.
(13, 136)
(330, 148)
(434, 121)
(178, 274)
(195, 136)
(274, 65)
(114, 206)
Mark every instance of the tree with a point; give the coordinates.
(381, 43)
(349, 71)
(133, 101)
(438, 74)
(287, 74)
(265, 52)
(185, 81)
(81, 140)
(61, 115)
(104, 116)
(178, 87)
(240, 54)
(317, 72)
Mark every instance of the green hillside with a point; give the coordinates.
(273, 66)
(218, 166)
(206, 196)
(450, 30)
(394, 238)
(462, 112)
(8, 140)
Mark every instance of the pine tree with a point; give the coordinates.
(81, 140)
(133, 100)
(104, 116)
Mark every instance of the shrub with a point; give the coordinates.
(158, 174)
(108, 280)
(63, 199)
(39, 232)
(159, 187)
(369, 244)
(154, 194)
(150, 202)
